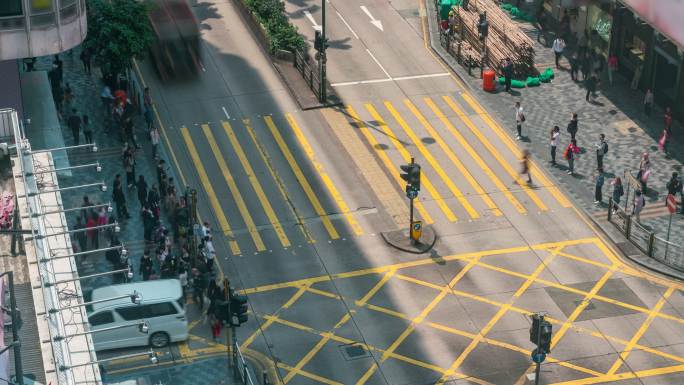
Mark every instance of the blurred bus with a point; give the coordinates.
(175, 49)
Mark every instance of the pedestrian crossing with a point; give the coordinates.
(272, 187)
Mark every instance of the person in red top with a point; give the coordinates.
(92, 232)
(667, 132)
(570, 153)
(612, 67)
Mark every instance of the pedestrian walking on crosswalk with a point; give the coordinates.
(525, 166)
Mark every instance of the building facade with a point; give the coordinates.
(645, 35)
(30, 28)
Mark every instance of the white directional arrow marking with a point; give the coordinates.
(312, 20)
(373, 21)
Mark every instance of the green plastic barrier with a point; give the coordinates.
(502, 80)
(506, 7)
(533, 82)
(517, 84)
(549, 73)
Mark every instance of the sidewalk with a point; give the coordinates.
(86, 90)
(617, 112)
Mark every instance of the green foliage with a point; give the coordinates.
(271, 14)
(118, 31)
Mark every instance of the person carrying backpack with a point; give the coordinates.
(601, 150)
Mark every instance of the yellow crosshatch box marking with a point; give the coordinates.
(402, 271)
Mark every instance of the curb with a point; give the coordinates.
(640, 259)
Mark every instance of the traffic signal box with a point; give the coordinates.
(411, 174)
(540, 333)
(234, 311)
(319, 43)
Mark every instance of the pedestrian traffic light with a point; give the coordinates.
(483, 26)
(545, 337)
(238, 309)
(540, 333)
(411, 175)
(320, 44)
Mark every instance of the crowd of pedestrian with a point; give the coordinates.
(166, 252)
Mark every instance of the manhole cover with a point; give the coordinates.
(590, 306)
(354, 351)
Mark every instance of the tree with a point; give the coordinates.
(118, 31)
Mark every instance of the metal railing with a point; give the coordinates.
(647, 241)
(241, 368)
(308, 71)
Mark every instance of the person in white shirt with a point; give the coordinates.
(555, 133)
(519, 119)
(558, 47)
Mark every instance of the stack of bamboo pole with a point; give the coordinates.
(505, 39)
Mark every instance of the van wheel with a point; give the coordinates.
(159, 340)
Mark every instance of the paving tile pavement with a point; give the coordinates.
(617, 112)
(86, 90)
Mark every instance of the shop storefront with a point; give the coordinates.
(647, 54)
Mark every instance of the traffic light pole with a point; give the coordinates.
(413, 241)
(537, 370)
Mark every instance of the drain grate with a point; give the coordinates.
(590, 305)
(354, 351)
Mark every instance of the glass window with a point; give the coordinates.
(132, 313)
(38, 6)
(161, 309)
(66, 3)
(181, 302)
(10, 8)
(103, 318)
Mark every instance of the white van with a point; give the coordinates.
(161, 307)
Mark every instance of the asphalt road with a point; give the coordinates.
(302, 197)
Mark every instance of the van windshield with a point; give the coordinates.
(181, 302)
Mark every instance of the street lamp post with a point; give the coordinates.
(322, 59)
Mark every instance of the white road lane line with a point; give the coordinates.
(347, 24)
(225, 112)
(312, 20)
(390, 79)
(379, 65)
(423, 76)
(360, 82)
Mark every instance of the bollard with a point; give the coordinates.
(265, 378)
